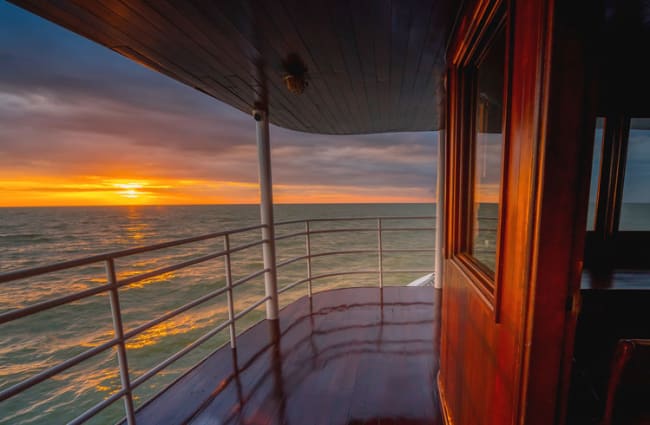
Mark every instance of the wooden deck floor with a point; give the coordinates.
(350, 356)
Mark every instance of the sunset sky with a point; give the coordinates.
(81, 125)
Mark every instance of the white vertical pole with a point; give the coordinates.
(266, 212)
(308, 247)
(231, 300)
(121, 346)
(440, 207)
(380, 254)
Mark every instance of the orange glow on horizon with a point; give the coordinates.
(129, 190)
(99, 191)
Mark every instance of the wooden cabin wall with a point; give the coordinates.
(503, 360)
(480, 359)
(565, 151)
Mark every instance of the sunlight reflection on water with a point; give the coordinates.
(32, 344)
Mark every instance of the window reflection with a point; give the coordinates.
(595, 172)
(487, 153)
(635, 208)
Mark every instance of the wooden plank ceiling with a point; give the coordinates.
(373, 65)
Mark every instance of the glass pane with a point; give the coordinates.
(635, 208)
(487, 153)
(595, 173)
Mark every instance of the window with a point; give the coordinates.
(595, 172)
(635, 206)
(487, 152)
(618, 224)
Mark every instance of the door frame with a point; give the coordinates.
(548, 137)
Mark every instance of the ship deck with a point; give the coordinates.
(345, 356)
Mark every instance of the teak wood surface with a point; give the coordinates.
(343, 357)
(505, 354)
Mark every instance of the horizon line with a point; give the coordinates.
(216, 204)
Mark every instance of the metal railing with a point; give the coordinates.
(379, 229)
(113, 283)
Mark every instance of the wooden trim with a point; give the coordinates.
(565, 143)
(477, 272)
(600, 210)
(467, 266)
(489, 18)
(609, 163)
(444, 407)
(451, 190)
(539, 92)
(617, 176)
(484, 13)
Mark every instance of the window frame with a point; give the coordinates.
(608, 247)
(482, 278)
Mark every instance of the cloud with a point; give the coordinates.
(70, 109)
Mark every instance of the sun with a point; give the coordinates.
(129, 190)
(130, 193)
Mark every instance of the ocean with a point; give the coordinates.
(37, 236)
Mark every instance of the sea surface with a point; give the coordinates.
(38, 236)
(32, 237)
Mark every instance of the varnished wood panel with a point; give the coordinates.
(466, 349)
(373, 66)
(565, 152)
(516, 372)
(347, 356)
(474, 378)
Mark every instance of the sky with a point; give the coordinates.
(81, 125)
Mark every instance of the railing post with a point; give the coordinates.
(121, 346)
(380, 254)
(266, 212)
(440, 212)
(229, 294)
(308, 247)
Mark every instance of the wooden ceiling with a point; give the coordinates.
(373, 65)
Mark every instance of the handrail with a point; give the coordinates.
(379, 250)
(324, 275)
(111, 287)
(114, 284)
(55, 302)
(35, 271)
(373, 218)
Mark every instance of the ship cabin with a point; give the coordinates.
(536, 316)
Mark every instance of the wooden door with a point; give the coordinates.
(519, 125)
